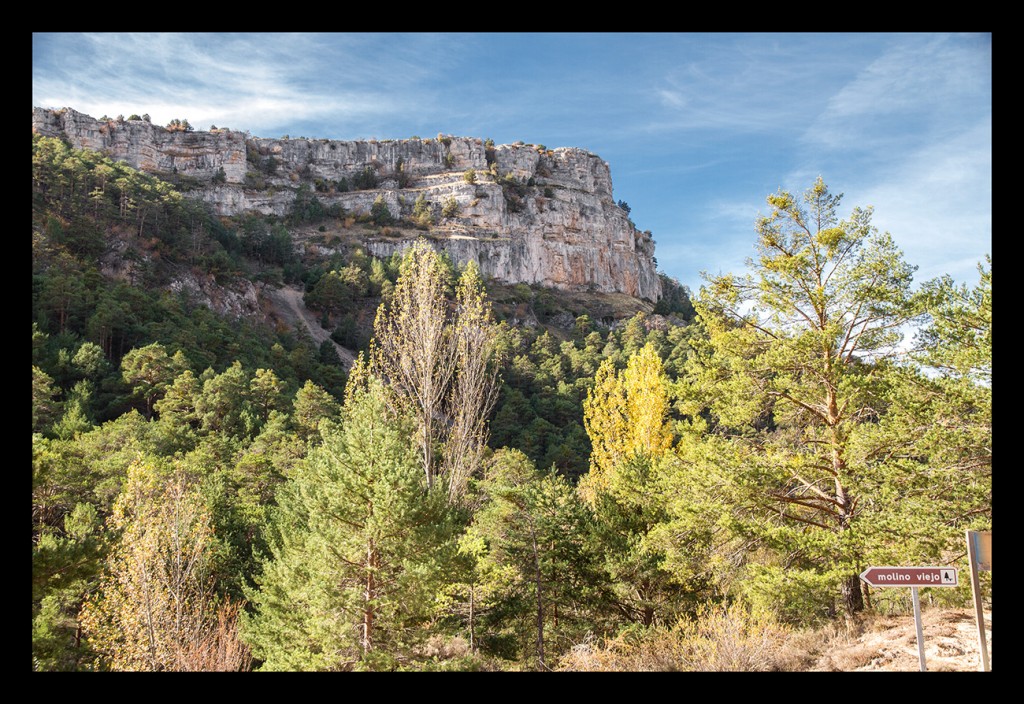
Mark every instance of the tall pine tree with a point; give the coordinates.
(358, 544)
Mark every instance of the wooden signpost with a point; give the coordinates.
(979, 554)
(912, 577)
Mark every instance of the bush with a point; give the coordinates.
(450, 209)
(379, 213)
(799, 597)
(469, 176)
(177, 125)
(365, 179)
(422, 215)
(401, 176)
(719, 639)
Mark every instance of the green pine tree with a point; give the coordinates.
(357, 548)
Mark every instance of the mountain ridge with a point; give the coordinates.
(523, 213)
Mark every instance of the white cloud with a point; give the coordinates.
(938, 204)
(917, 81)
(672, 98)
(254, 82)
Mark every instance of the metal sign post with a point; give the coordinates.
(979, 554)
(917, 623)
(912, 577)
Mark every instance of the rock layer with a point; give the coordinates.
(527, 214)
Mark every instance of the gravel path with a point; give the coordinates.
(290, 306)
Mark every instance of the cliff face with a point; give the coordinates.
(531, 215)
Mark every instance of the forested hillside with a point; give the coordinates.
(504, 480)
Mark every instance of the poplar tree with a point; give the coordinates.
(439, 359)
(412, 348)
(474, 389)
(626, 416)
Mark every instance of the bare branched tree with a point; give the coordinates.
(156, 609)
(475, 386)
(440, 363)
(412, 347)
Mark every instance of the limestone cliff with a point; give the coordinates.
(527, 215)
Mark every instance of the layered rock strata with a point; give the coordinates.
(525, 214)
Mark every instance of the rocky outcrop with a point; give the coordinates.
(525, 214)
(148, 147)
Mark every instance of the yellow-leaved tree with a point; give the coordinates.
(626, 415)
(155, 609)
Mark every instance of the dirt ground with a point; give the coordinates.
(889, 643)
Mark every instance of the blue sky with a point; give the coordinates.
(698, 128)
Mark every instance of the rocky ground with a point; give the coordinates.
(889, 643)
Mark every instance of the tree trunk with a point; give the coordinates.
(853, 599)
(540, 605)
(368, 601)
(472, 630)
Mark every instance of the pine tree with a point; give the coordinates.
(792, 370)
(937, 430)
(529, 543)
(357, 547)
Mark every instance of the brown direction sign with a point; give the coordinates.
(910, 576)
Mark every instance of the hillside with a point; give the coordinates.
(520, 477)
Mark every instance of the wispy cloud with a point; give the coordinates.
(938, 204)
(919, 82)
(750, 83)
(255, 82)
(697, 128)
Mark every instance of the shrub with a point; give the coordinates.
(365, 179)
(451, 208)
(422, 214)
(403, 178)
(177, 125)
(379, 213)
(719, 639)
(469, 176)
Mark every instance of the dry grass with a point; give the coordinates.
(732, 639)
(720, 639)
